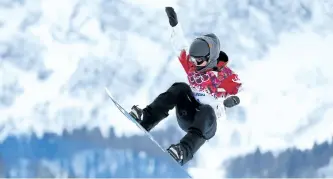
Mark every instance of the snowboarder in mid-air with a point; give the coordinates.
(212, 88)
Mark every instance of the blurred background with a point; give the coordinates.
(56, 57)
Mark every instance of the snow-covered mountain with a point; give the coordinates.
(56, 57)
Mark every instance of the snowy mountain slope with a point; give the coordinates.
(85, 153)
(326, 171)
(56, 58)
(292, 162)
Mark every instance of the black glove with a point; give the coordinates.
(173, 21)
(231, 101)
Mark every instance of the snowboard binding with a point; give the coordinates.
(136, 113)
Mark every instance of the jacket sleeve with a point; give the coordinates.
(180, 46)
(178, 39)
(230, 85)
(184, 61)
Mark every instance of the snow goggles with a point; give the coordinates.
(199, 60)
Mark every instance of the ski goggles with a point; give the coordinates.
(199, 60)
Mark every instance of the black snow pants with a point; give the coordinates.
(197, 120)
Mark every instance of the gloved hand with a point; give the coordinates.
(231, 101)
(173, 20)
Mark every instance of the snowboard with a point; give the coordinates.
(128, 116)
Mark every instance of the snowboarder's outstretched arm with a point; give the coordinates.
(177, 39)
(179, 43)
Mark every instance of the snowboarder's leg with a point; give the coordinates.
(205, 121)
(163, 103)
(185, 112)
(203, 128)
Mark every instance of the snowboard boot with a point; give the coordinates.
(177, 152)
(231, 101)
(136, 113)
(144, 117)
(186, 148)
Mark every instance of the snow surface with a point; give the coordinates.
(57, 57)
(327, 171)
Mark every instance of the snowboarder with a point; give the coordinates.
(212, 88)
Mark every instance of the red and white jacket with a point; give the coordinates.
(209, 87)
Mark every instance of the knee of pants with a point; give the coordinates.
(205, 121)
(182, 86)
(184, 91)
